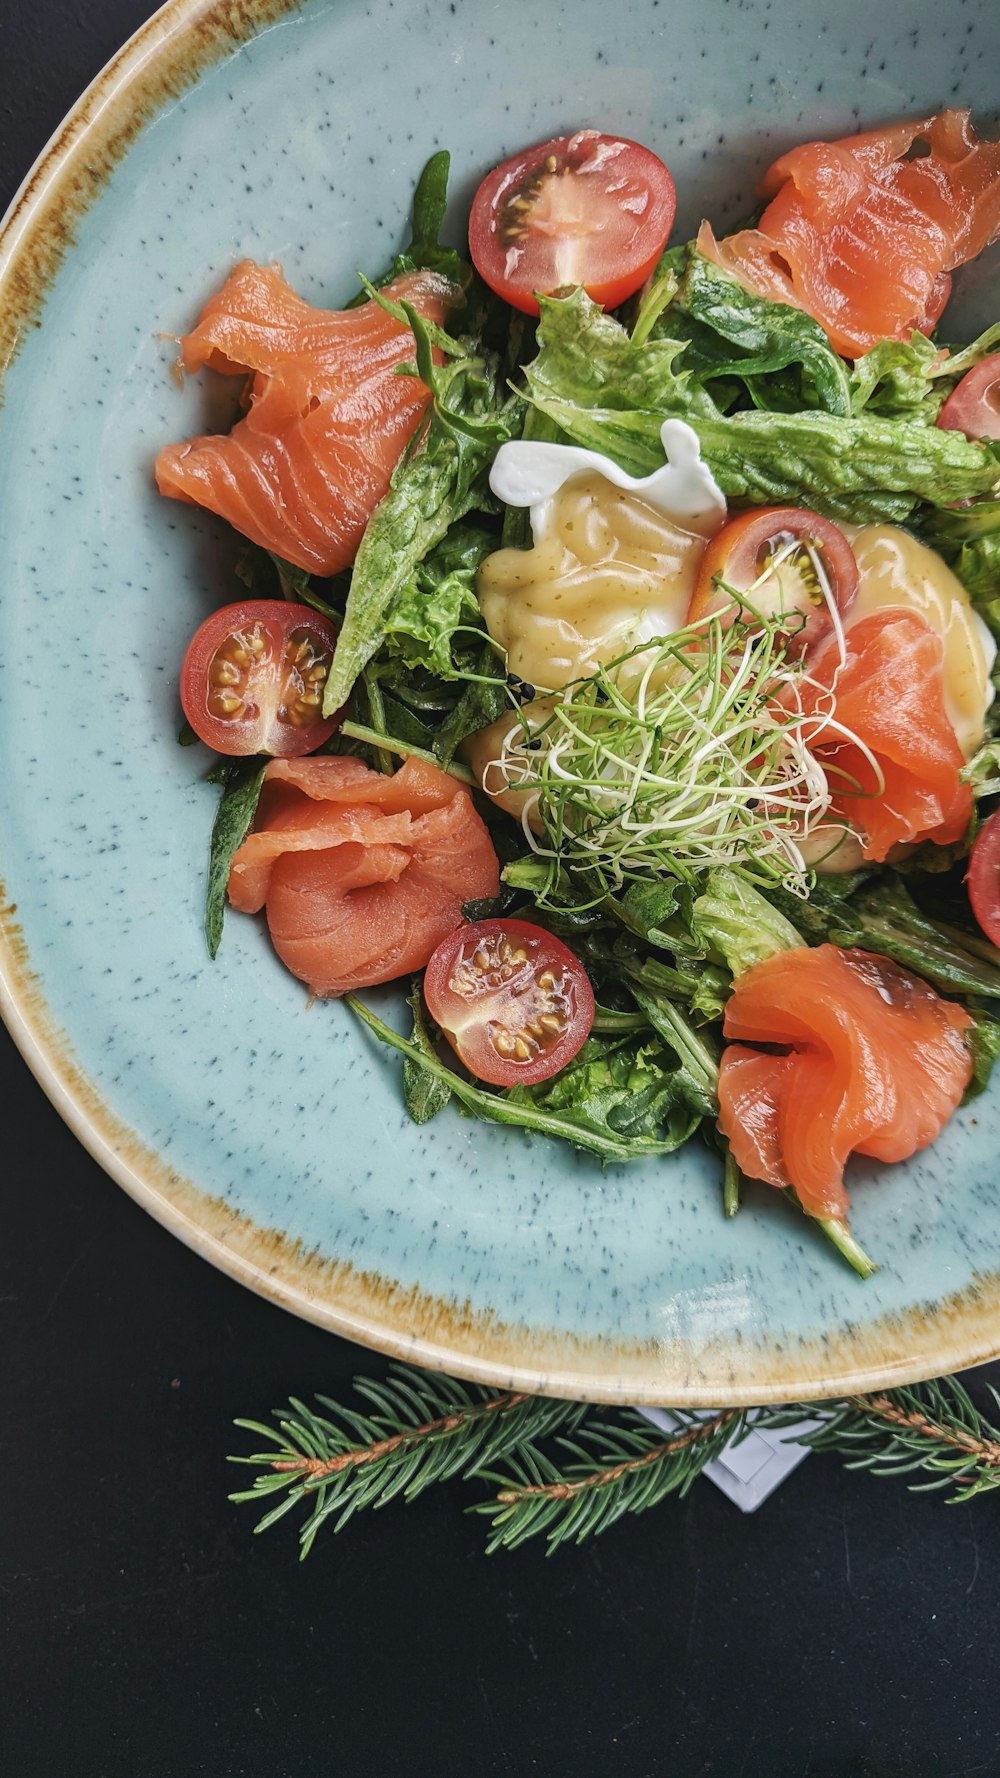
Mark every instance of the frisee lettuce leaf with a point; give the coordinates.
(438, 604)
(898, 380)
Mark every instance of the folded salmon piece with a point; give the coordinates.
(328, 420)
(889, 696)
(362, 875)
(863, 237)
(870, 1061)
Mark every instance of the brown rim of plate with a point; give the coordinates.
(163, 58)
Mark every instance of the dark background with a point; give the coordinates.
(848, 1628)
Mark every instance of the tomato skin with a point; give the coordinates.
(262, 657)
(736, 554)
(490, 984)
(984, 878)
(583, 209)
(974, 406)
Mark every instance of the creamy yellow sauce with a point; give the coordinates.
(606, 573)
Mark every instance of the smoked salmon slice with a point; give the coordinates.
(329, 417)
(362, 875)
(889, 694)
(864, 238)
(872, 1061)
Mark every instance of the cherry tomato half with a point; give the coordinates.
(984, 878)
(774, 550)
(513, 1002)
(253, 677)
(974, 406)
(585, 209)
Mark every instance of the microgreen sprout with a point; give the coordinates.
(688, 752)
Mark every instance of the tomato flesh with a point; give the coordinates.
(973, 407)
(513, 1002)
(253, 677)
(984, 878)
(584, 209)
(771, 554)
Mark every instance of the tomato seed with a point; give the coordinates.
(225, 703)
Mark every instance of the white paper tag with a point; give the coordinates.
(748, 1472)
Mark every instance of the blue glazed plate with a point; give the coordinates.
(267, 1133)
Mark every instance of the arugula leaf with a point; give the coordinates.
(424, 1093)
(632, 1089)
(484, 699)
(983, 1039)
(884, 917)
(241, 780)
(425, 252)
(268, 576)
(619, 1088)
(697, 1075)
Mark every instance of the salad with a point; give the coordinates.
(614, 656)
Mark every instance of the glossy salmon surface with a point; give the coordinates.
(890, 753)
(328, 418)
(864, 233)
(361, 875)
(866, 1059)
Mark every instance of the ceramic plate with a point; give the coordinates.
(267, 1133)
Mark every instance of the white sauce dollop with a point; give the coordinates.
(527, 473)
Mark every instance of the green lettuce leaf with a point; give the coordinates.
(768, 337)
(741, 925)
(439, 481)
(438, 602)
(898, 380)
(608, 394)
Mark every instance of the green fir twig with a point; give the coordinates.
(565, 1471)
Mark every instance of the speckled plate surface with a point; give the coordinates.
(269, 1134)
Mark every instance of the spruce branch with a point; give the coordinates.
(614, 1469)
(423, 1429)
(565, 1471)
(932, 1430)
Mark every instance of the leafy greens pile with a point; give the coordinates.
(781, 419)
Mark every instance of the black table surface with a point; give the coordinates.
(847, 1628)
